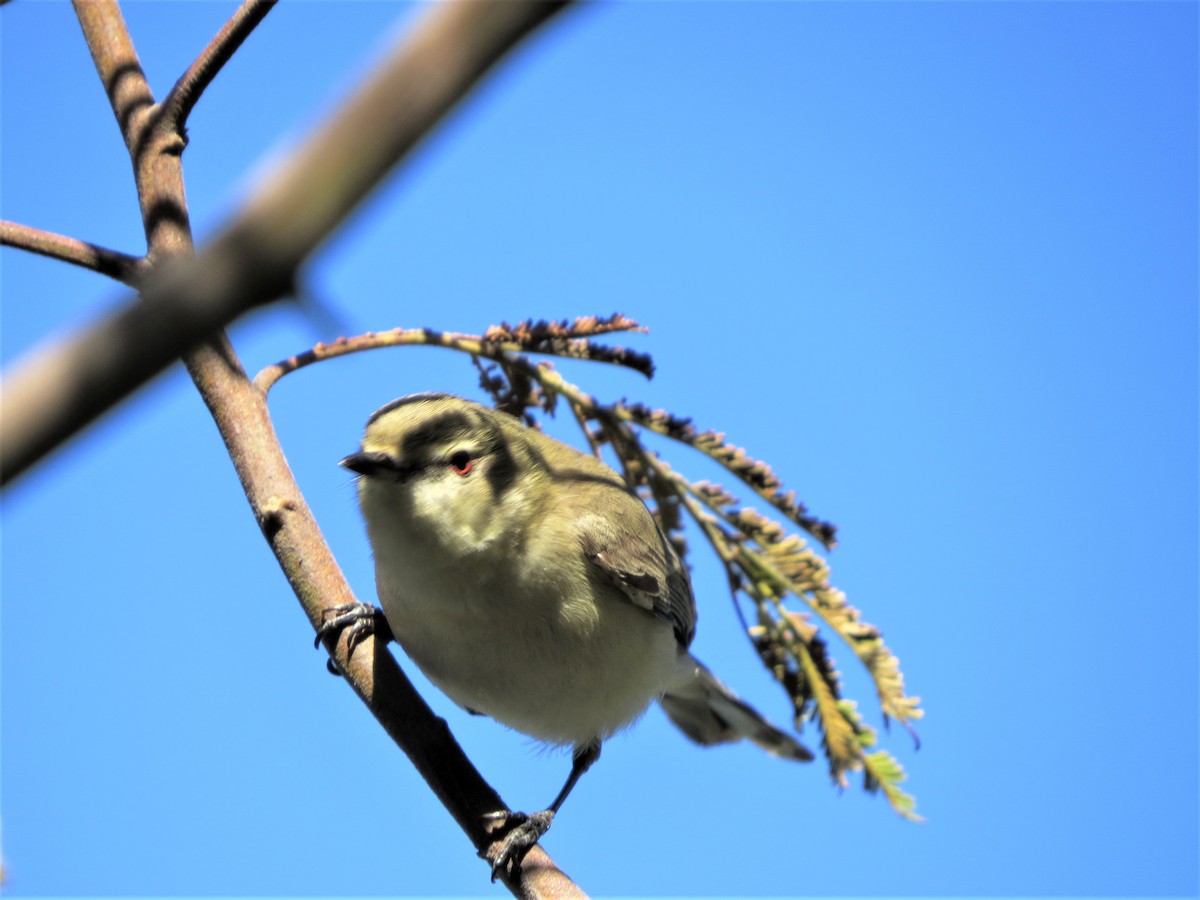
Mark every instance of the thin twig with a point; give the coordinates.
(191, 85)
(495, 344)
(116, 265)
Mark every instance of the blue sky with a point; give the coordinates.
(936, 262)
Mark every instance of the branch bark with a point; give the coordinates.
(200, 74)
(187, 299)
(113, 263)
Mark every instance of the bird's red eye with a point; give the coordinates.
(461, 462)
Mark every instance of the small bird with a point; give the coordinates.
(529, 584)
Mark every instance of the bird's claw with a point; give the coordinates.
(362, 619)
(523, 831)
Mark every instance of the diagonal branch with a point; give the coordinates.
(240, 411)
(118, 66)
(113, 263)
(179, 303)
(154, 150)
(200, 74)
(253, 259)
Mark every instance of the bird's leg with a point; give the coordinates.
(361, 618)
(527, 828)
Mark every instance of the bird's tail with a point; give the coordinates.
(710, 713)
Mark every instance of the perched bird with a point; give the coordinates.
(531, 585)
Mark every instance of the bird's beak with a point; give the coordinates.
(368, 464)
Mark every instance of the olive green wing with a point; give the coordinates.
(629, 552)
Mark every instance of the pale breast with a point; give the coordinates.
(527, 649)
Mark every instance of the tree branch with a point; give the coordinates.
(117, 64)
(179, 302)
(567, 339)
(240, 411)
(153, 149)
(119, 266)
(253, 260)
(200, 74)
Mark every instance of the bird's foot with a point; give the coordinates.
(362, 619)
(521, 832)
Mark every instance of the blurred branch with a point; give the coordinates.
(120, 266)
(253, 259)
(188, 299)
(200, 74)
